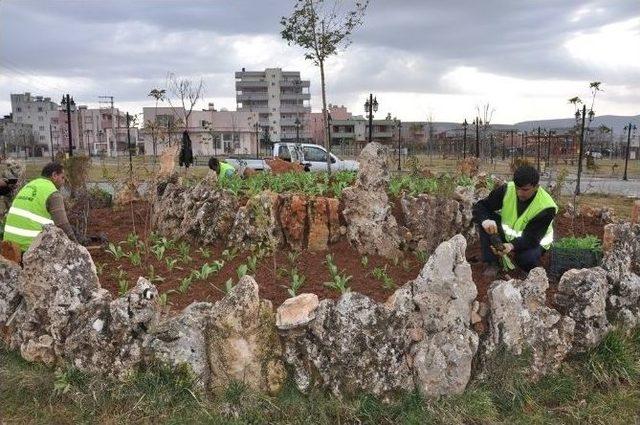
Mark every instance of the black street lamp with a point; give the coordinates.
(329, 119)
(628, 128)
(371, 106)
(478, 123)
(68, 103)
(256, 127)
(298, 123)
(465, 124)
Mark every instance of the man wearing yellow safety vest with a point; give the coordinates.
(222, 169)
(521, 213)
(38, 203)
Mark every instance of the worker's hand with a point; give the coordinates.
(507, 248)
(490, 227)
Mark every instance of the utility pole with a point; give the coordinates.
(538, 160)
(548, 148)
(399, 132)
(629, 127)
(580, 148)
(51, 140)
(464, 140)
(129, 147)
(68, 101)
(477, 138)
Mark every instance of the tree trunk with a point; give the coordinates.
(327, 142)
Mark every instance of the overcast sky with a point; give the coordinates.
(420, 58)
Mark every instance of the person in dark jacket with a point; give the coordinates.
(521, 213)
(186, 152)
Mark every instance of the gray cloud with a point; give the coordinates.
(127, 47)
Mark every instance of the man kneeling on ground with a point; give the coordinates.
(521, 213)
(222, 169)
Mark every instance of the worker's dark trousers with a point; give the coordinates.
(526, 260)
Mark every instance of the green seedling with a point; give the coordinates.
(339, 281)
(123, 286)
(163, 299)
(158, 251)
(133, 239)
(364, 261)
(229, 254)
(589, 243)
(228, 285)
(297, 280)
(204, 252)
(183, 250)
(292, 256)
(99, 268)
(185, 283)
(134, 257)
(153, 277)
(381, 274)
(171, 263)
(422, 256)
(252, 263)
(242, 270)
(115, 250)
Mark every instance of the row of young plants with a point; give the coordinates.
(319, 184)
(176, 255)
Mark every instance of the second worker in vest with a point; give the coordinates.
(521, 213)
(222, 169)
(38, 203)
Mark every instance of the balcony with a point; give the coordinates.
(252, 97)
(295, 83)
(343, 134)
(246, 84)
(250, 74)
(295, 96)
(294, 108)
(382, 134)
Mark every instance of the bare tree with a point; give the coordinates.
(159, 96)
(485, 114)
(187, 93)
(321, 28)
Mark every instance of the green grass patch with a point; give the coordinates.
(588, 243)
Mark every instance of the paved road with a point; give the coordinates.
(604, 185)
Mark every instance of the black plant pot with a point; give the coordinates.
(563, 259)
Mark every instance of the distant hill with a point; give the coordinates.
(614, 122)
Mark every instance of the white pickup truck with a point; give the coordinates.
(313, 157)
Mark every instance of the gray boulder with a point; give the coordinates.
(582, 295)
(521, 322)
(352, 346)
(9, 295)
(444, 293)
(256, 223)
(242, 342)
(181, 340)
(371, 227)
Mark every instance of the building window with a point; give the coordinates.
(18, 109)
(41, 128)
(40, 118)
(41, 137)
(39, 108)
(226, 137)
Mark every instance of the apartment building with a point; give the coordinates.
(211, 132)
(37, 112)
(279, 98)
(15, 138)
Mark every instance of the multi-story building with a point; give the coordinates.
(36, 111)
(15, 138)
(211, 132)
(279, 98)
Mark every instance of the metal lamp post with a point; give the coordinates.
(465, 124)
(628, 128)
(399, 125)
(298, 123)
(371, 106)
(582, 116)
(478, 123)
(68, 103)
(256, 127)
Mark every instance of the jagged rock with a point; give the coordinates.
(292, 216)
(353, 346)
(621, 260)
(371, 227)
(11, 169)
(297, 311)
(181, 340)
(520, 321)
(444, 293)
(202, 214)
(432, 220)
(621, 246)
(58, 280)
(108, 336)
(582, 295)
(9, 295)
(242, 342)
(256, 223)
(324, 223)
